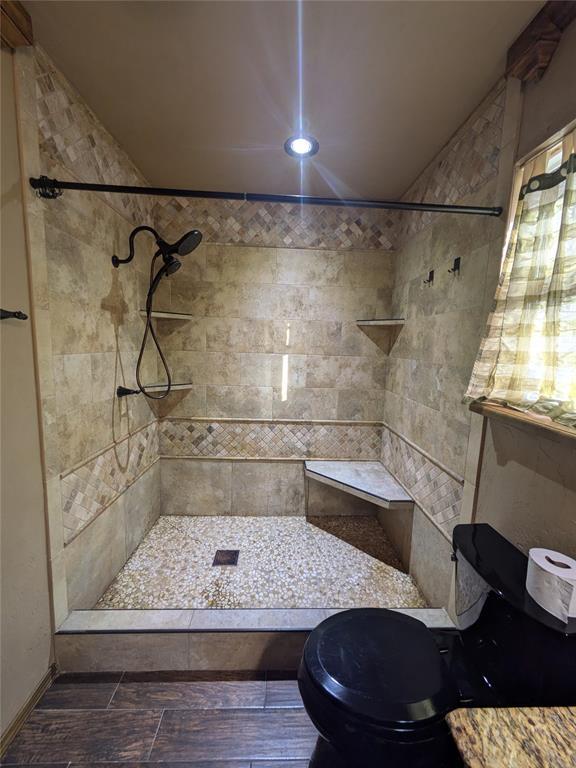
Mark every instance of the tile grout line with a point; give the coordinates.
(149, 755)
(115, 690)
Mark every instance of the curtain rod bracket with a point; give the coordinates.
(50, 189)
(47, 189)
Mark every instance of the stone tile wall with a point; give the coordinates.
(261, 317)
(430, 362)
(251, 488)
(89, 489)
(436, 491)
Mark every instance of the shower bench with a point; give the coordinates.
(368, 480)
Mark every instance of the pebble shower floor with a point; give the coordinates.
(284, 562)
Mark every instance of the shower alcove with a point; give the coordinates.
(312, 537)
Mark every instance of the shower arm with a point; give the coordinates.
(144, 228)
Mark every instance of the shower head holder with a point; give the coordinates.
(186, 244)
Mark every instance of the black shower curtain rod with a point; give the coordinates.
(52, 188)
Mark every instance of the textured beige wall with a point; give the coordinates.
(259, 312)
(24, 599)
(527, 487)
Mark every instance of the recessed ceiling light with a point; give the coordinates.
(301, 146)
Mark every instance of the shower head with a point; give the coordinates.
(188, 243)
(170, 266)
(173, 265)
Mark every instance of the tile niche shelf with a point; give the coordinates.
(162, 387)
(382, 331)
(168, 315)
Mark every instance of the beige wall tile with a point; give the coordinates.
(306, 267)
(323, 500)
(430, 563)
(233, 264)
(95, 556)
(141, 507)
(190, 487)
(360, 404)
(301, 403)
(246, 650)
(239, 334)
(267, 488)
(398, 525)
(131, 652)
(187, 403)
(185, 335)
(239, 402)
(73, 381)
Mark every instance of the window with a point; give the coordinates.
(527, 359)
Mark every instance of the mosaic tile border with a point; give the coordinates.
(219, 438)
(435, 491)
(90, 488)
(280, 225)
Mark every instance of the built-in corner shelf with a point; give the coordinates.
(389, 323)
(382, 331)
(168, 315)
(369, 480)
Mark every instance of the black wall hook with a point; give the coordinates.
(455, 266)
(430, 278)
(6, 314)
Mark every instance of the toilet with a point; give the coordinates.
(378, 684)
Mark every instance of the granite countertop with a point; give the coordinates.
(516, 737)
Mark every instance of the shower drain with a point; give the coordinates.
(226, 557)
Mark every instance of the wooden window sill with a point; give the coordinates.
(522, 420)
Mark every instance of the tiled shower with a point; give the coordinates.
(271, 368)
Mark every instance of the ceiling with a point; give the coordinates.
(203, 94)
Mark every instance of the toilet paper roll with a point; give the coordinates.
(551, 582)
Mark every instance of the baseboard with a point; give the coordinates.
(7, 737)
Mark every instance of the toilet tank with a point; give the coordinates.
(526, 655)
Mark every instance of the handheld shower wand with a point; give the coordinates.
(186, 244)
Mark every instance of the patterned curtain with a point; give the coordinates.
(527, 359)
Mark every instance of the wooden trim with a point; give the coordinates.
(18, 722)
(532, 51)
(522, 419)
(16, 24)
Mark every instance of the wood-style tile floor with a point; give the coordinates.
(134, 720)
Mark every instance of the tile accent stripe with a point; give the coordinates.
(90, 488)
(268, 440)
(434, 490)
(280, 225)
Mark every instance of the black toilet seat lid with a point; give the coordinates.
(381, 664)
